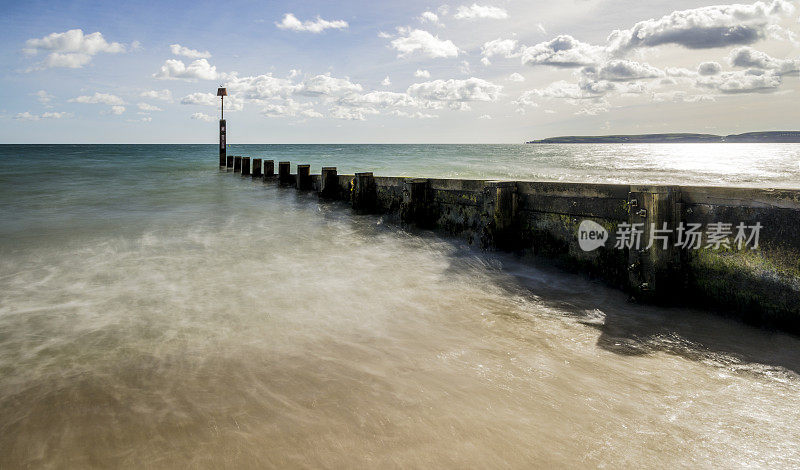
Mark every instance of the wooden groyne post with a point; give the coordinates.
(237, 164)
(269, 169)
(303, 177)
(245, 166)
(545, 219)
(284, 174)
(256, 168)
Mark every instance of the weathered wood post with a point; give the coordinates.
(329, 183)
(655, 271)
(269, 169)
(416, 207)
(256, 168)
(501, 202)
(230, 161)
(364, 193)
(237, 164)
(303, 177)
(245, 166)
(284, 176)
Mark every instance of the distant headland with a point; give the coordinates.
(749, 137)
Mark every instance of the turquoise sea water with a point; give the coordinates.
(156, 312)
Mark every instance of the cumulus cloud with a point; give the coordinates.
(44, 97)
(163, 95)
(202, 99)
(201, 117)
(386, 81)
(515, 77)
(742, 81)
(382, 99)
(476, 11)
(290, 108)
(148, 107)
(326, 85)
(422, 74)
(423, 42)
(703, 28)
(99, 98)
(456, 91)
(352, 114)
(709, 68)
(500, 47)
(623, 70)
(430, 17)
(70, 49)
(177, 49)
(174, 69)
(27, 116)
(748, 57)
(291, 23)
(563, 51)
(116, 110)
(412, 115)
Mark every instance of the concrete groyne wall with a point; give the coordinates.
(748, 264)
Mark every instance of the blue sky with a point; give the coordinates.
(413, 71)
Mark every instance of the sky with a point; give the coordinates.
(483, 71)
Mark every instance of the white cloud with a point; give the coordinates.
(290, 108)
(742, 81)
(425, 43)
(174, 69)
(381, 99)
(709, 68)
(515, 77)
(291, 23)
(702, 28)
(326, 85)
(44, 97)
(27, 116)
(563, 51)
(352, 114)
(480, 11)
(71, 49)
(464, 67)
(430, 17)
(412, 115)
(203, 99)
(500, 47)
(163, 95)
(456, 91)
(386, 81)
(141, 119)
(201, 117)
(749, 57)
(422, 74)
(485, 117)
(622, 70)
(177, 49)
(99, 98)
(117, 110)
(148, 107)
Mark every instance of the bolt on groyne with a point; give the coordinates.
(732, 250)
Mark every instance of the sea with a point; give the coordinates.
(156, 312)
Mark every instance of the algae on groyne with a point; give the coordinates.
(759, 284)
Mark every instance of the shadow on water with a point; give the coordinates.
(625, 328)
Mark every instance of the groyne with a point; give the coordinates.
(732, 250)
